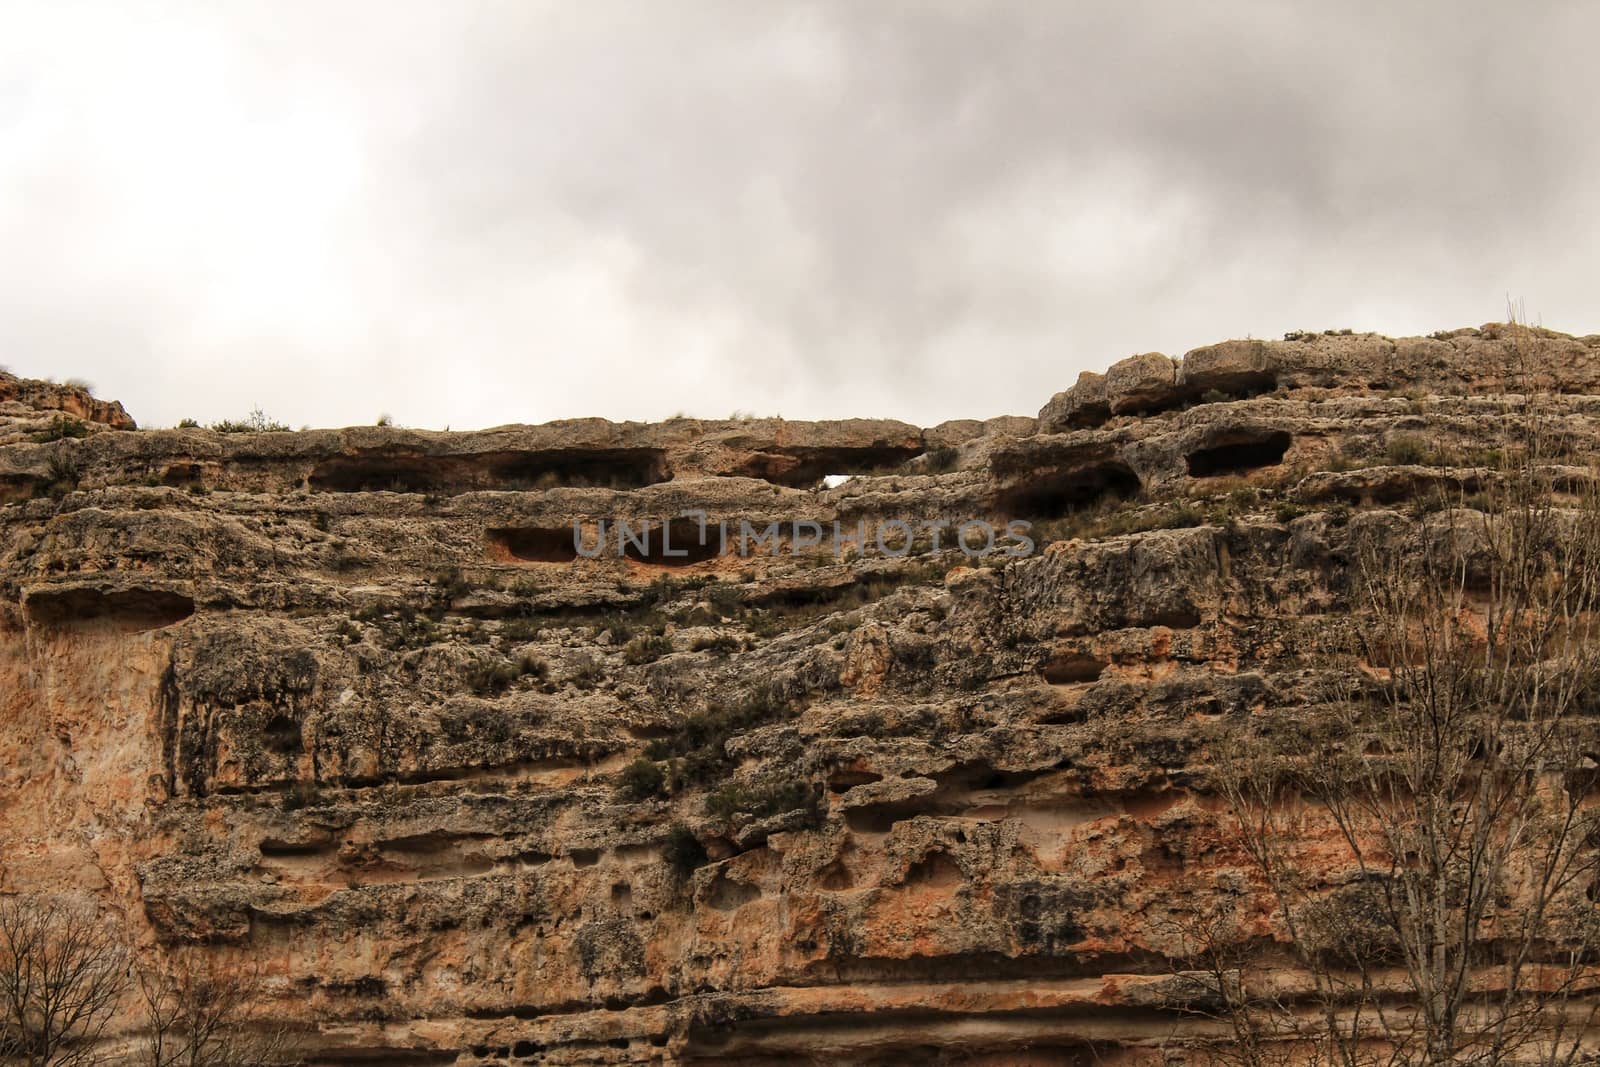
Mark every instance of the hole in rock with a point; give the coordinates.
(1246, 384)
(182, 475)
(429, 843)
(619, 468)
(282, 735)
(1073, 668)
(804, 597)
(629, 468)
(726, 894)
(1052, 496)
(378, 474)
(936, 870)
(677, 544)
(1063, 716)
(835, 878)
(1240, 453)
(15, 488)
(802, 468)
(368, 985)
(273, 846)
(849, 777)
(133, 609)
(879, 819)
(535, 544)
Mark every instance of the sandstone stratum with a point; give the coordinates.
(349, 706)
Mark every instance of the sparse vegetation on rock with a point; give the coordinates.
(353, 718)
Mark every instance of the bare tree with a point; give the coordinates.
(198, 1014)
(1255, 1028)
(62, 973)
(1428, 835)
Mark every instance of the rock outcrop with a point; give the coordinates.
(353, 706)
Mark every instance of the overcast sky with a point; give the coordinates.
(478, 213)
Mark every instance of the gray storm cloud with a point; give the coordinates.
(482, 213)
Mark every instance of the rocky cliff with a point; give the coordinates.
(353, 705)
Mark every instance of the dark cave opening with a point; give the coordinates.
(802, 468)
(1055, 495)
(615, 468)
(1239, 453)
(535, 544)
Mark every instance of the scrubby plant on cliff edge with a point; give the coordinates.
(61, 428)
(1444, 912)
(257, 421)
(697, 751)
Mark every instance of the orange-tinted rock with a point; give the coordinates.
(347, 705)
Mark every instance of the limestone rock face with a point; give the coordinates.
(1140, 383)
(1237, 367)
(354, 706)
(29, 405)
(1084, 404)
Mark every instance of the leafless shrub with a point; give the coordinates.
(62, 971)
(198, 1014)
(1446, 916)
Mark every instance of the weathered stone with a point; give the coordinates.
(1145, 382)
(1239, 368)
(352, 706)
(1085, 404)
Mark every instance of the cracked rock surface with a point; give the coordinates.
(352, 706)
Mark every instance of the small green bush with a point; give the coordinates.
(61, 428)
(523, 628)
(760, 800)
(588, 672)
(646, 649)
(64, 471)
(700, 742)
(720, 645)
(1287, 511)
(256, 422)
(1406, 450)
(491, 678)
(451, 584)
(643, 779)
(725, 597)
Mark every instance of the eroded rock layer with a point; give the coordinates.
(352, 706)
